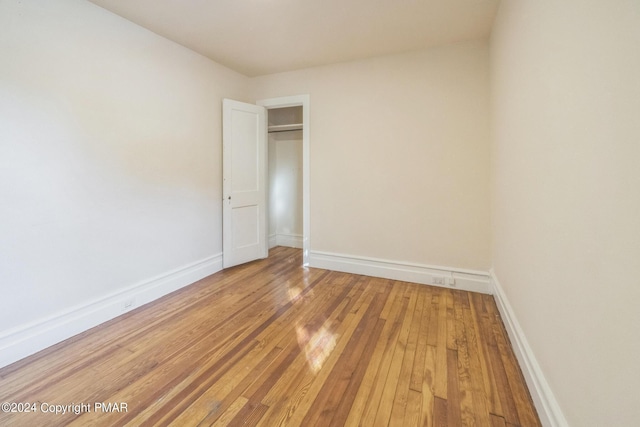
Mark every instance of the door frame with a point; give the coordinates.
(297, 101)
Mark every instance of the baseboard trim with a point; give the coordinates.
(26, 340)
(450, 277)
(289, 240)
(546, 404)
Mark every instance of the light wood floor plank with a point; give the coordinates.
(381, 366)
(272, 343)
(401, 397)
(454, 416)
(465, 373)
(484, 339)
(472, 353)
(367, 396)
(417, 374)
(428, 395)
(442, 379)
(226, 417)
(393, 377)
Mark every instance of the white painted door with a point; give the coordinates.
(244, 182)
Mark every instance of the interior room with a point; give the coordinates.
(467, 161)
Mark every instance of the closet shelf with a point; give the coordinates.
(284, 128)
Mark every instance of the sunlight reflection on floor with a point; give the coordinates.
(317, 345)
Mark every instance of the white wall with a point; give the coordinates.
(566, 196)
(399, 155)
(285, 188)
(110, 159)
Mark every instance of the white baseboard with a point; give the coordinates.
(546, 404)
(26, 340)
(448, 277)
(290, 240)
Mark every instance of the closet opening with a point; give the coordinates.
(288, 194)
(285, 176)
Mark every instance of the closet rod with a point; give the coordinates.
(284, 128)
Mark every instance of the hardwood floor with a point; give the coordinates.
(271, 343)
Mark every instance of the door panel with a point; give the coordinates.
(244, 183)
(245, 226)
(244, 161)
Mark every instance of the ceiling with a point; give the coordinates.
(257, 37)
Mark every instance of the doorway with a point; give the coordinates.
(284, 183)
(288, 172)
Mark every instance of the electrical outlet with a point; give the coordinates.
(438, 280)
(451, 281)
